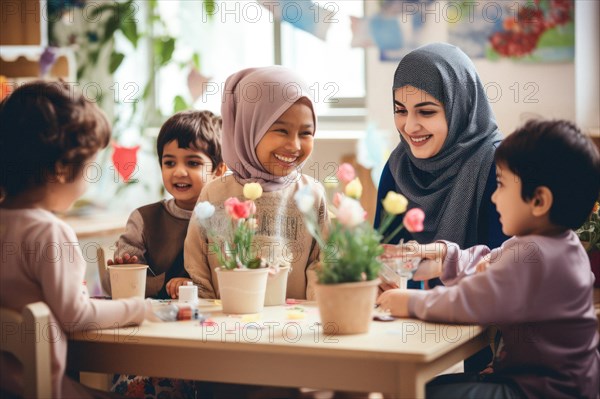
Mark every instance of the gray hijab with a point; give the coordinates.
(448, 186)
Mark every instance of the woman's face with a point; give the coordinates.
(420, 120)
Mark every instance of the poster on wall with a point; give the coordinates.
(519, 30)
(526, 30)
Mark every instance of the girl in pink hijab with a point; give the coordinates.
(268, 134)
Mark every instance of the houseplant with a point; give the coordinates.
(350, 250)
(243, 273)
(589, 234)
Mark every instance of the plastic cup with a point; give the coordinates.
(127, 281)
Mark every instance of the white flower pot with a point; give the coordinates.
(347, 308)
(277, 287)
(242, 291)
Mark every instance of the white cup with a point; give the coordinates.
(127, 281)
(188, 293)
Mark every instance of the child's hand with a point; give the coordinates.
(174, 284)
(395, 301)
(123, 260)
(387, 285)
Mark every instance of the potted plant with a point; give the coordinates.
(350, 250)
(589, 234)
(243, 273)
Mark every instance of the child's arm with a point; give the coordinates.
(496, 296)
(61, 280)
(458, 264)
(130, 247)
(195, 259)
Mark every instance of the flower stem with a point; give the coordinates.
(393, 234)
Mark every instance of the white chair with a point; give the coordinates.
(22, 336)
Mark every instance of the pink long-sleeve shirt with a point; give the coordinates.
(42, 261)
(538, 291)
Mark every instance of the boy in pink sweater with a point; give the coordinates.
(537, 287)
(49, 136)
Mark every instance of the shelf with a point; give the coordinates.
(22, 62)
(24, 22)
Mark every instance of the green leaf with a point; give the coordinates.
(196, 60)
(110, 28)
(115, 61)
(129, 29)
(209, 8)
(179, 104)
(163, 48)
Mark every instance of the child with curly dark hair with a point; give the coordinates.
(49, 135)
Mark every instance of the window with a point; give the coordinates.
(241, 34)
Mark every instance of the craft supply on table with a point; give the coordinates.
(178, 311)
(188, 293)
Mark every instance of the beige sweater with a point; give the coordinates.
(281, 236)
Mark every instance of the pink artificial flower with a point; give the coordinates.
(237, 209)
(350, 213)
(413, 220)
(337, 199)
(345, 173)
(251, 206)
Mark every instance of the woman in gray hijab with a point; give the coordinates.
(444, 163)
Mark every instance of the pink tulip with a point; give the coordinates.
(337, 199)
(237, 209)
(413, 220)
(345, 173)
(251, 206)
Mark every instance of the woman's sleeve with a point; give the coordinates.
(195, 258)
(386, 183)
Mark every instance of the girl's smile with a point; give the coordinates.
(288, 142)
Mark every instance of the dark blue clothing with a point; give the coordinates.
(489, 229)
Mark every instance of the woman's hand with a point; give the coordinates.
(387, 285)
(173, 285)
(125, 259)
(394, 301)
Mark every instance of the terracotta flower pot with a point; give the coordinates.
(277, 287)
(347, 308)
(242, 291)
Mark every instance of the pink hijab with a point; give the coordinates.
(253, 100)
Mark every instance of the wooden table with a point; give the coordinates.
(281, 348)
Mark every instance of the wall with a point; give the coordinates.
(543, 89)
(516, 91)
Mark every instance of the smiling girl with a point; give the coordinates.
(268, 134)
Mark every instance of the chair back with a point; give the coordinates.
(25, 336)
